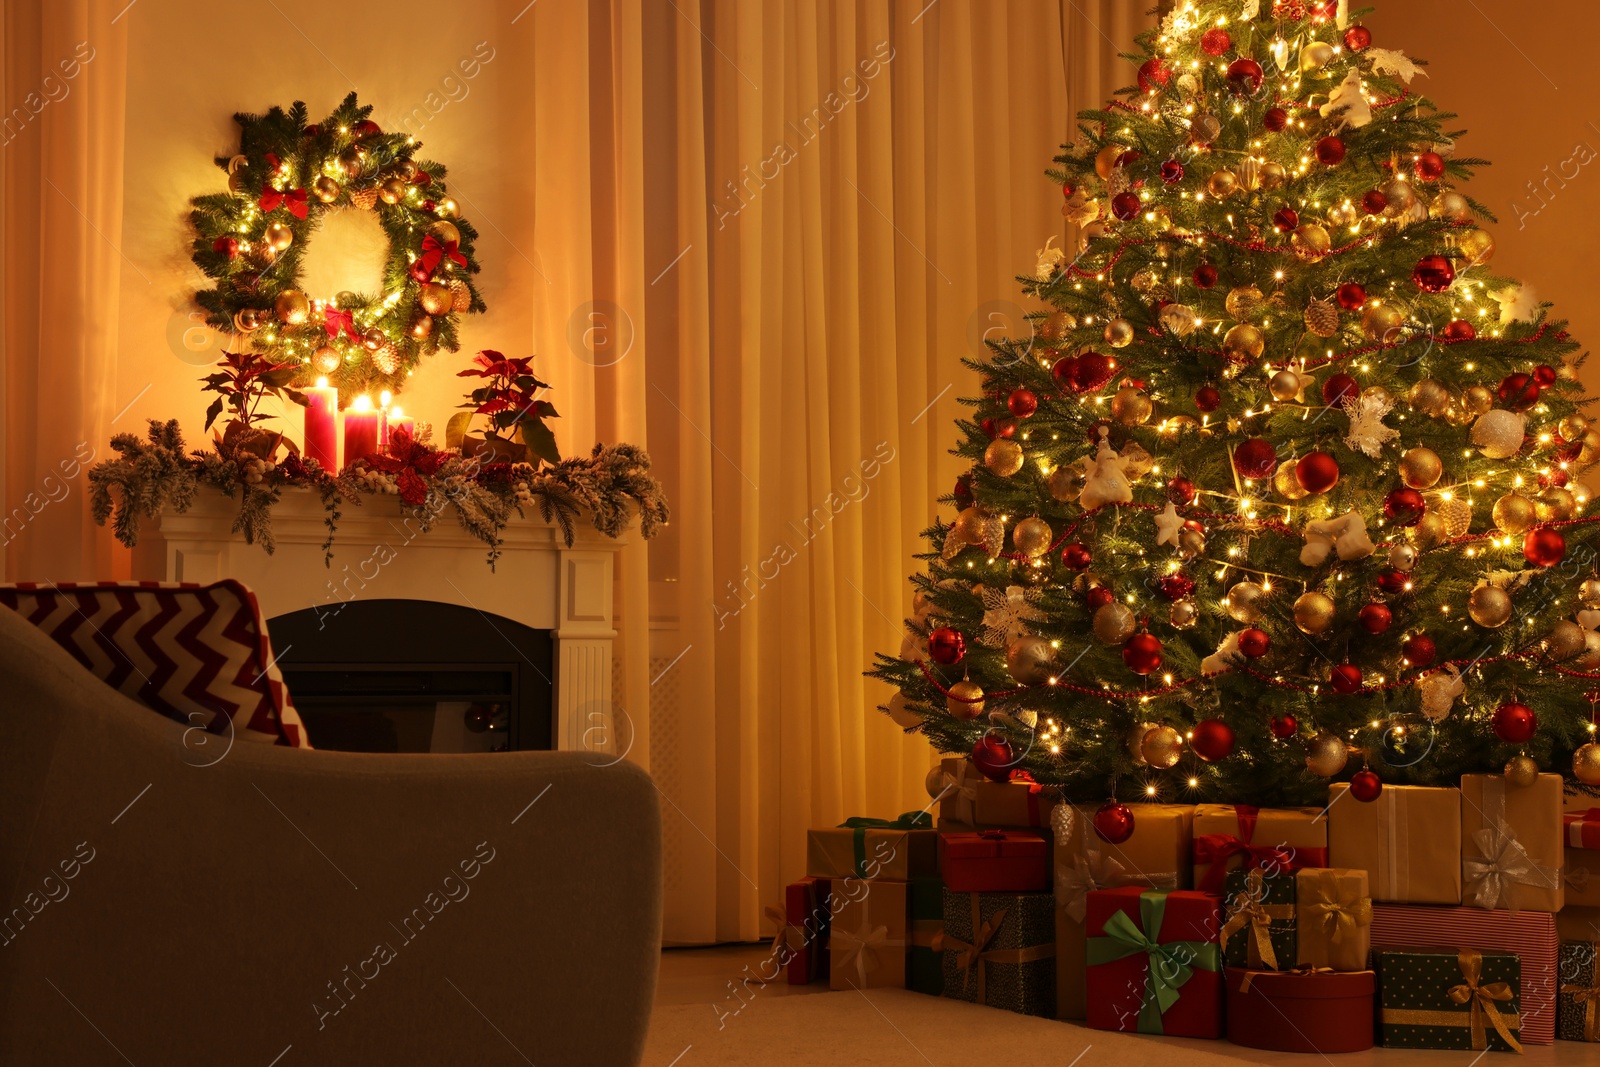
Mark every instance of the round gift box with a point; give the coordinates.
(1294, 1011)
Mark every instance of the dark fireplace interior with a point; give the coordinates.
(417, 676)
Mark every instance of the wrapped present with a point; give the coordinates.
(1154, 962)
(1448, 999)
(993, 861)
(1580, 878)
(973, 800)
(1333, 918)
(1258, 929)
(1581, 828)
(893, 849)
(925, 908)
(1511, 843)
(1155, 857)
(1228, 836)
(801, 943)
(1309, 1009)
(1531, 935)
(998, 950)
(1408, 841)
(1578, 996)
(867, 935)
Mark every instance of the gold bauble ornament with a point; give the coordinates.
(446, 208)
(1378, 393)
(1204, 128)
(280, 235)
(1003, 457)
(1589, 592)
(1564, 641)
(1130, 407)
(1589, 449)
(292, 307)
(1184, 614)
(1430, 530)
(1272, 175)
(1400, 196)
(1521, 772)
(1477, 246)
(444, 232)
(1379, 321)
(1430, 397)
(373, 339)
(965, 700)
(1244, 301)
(461, 296)
(1457, 516)
(1498, 433)
(969, 525)
(1342, 215)
(1489, 606)
(1513, 514)
(325, 189)
(1315, 56)
(1313, 612)
(1105, 161)
(435, 299)
(1191, 543)
(1555, 504)
(933, 781)
(1286, 484)
(1162, 747)
(1113, 623)
(1285, 386)
(1590, 659)
(1243, 602)
(1179, 424)
(1032, 537)
(1450, 205)
(353, 160)
(1065, 483)
(1326, 755)
(421, 327)
(326, 359)
(1057, 326)
(1119, 333)
(1030, 660)
(246, 320)
(392, 191)
(1572, 428)
(406, 168)
(1322, 318)
(1311, 240)
(1420, 467)
(1248, 174)
(1586, 764)
(1222, 183)
(1135, 741)
(1243, 343)
(1477, 399)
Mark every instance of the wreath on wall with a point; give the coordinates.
(286, 177)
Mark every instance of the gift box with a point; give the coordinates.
(1304, 1010)
(1511, 843)
(1258, 929)
(925, 910)
(1580, 878)
(1333, 918)
(801, 943)
(1531, 935)
(867, 935)
(1154, 962)
(1229, 836)
(1578, 923)
(971, 799)
(1578, 997)
(896, 850)
(1581, 828)
(1448, 999)
(999, 950)
(1155, 857)
(1408, 841)
(993, 861)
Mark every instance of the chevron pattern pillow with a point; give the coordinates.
(197, 654)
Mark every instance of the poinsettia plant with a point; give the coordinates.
(411, 463)
(244, 380)
(509, 399)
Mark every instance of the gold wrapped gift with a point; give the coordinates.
(1511, 843)
(867, 935)
(1333, 918)
(1408, 841)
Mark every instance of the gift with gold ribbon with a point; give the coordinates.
(924, 923)
(999, 950)
(800, 944)
(1449, 999)
(1307, 1009)
(1511, 843)
(1258, 929)
(1333, 918)
(1154, 963)
(1229, 836)
(867, 935)
(1408, 841)
(897, 849)
(1578, 994)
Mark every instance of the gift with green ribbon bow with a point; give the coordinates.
(896, 849)
(1154, 962)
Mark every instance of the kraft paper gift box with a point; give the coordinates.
(1511, 843)
(994, 861)
(1304, 1010)
(1155, 857)
(1154, 962)
(1228, 836)
(867, 935)
(972, 800)
(1408, 841)
(1578, 997)
(896, 850)
(1447, 998)
(1332, 918)
(1258, 912)
(802, 937)
(924, 963)
(998, 950)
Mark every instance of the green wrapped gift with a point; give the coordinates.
(1578, 995)
(924, 924)
(1258, 931)
(1448, 999)
(999, 949)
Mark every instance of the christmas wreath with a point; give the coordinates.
(287, 176)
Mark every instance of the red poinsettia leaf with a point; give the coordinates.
(413, 490)
(489, 407)
(429, 461)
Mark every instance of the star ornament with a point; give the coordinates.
(1168, 525)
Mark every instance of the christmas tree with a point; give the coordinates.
(1284, 487)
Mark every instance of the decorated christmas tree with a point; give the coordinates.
(1283, 489)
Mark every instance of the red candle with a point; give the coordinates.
(322, 433)
(361, 423)
(397, 423)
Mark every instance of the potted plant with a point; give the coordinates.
(509, 399)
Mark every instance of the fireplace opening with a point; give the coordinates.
(417, 676)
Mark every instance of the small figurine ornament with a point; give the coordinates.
(1347, 105)
(1106, 479)
(1346, 534)
(1439, 691)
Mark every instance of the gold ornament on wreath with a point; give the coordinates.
(291, 175)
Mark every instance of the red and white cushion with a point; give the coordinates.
(197, 654)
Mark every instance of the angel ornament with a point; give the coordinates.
(1347, 105)
(1106, 477)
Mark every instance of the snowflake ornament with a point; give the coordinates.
(1050, 261)
(1393, 61)
(1006, 615)
(1367, 433)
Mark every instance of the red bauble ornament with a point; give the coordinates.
(367, 128)
(1113, 822)
(1429, 166)
(228, 246)
(1127, 158)
(1392, 580)
(1519, 391)
(1286, 219)
(1153, 74)
(946, 645)
(1317, 472)
(1205, 276)
(1351, 295)
(1544, 374)
(997, 428)
(1254, 643)
(1212, 740)
(1276, 120)
(1339, 386)
(1376, 617)
(1255, 458)
(963, 493)
(422, 177)
(1181, 491)
(1365, 786)
(1418, 649)
(1404, 506)
(1283, 727)
(1373, 201)
(1544, 547)
(1175, 586)
(1215, 41)
(1459, 330)
(1358, 38)
(1076, 556)
(993, 757)
(1433, 274)
(1065, 372)
(1171, 171)
(1097, 598)
(1067, 189)
(1094, 371)
(311, 131)
(419, 271)
(1207, 398)
(1515, 723)
(1125, 206)
(1022, 403)
(1556, 479)
(1330, 151)
(1142, 653)
(1244, 76)
(1345, 678)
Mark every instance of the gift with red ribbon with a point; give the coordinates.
(295, 198)
(994, 861)
(1582, 828)
(434, 251)
(1230, 836)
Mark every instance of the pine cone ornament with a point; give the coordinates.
(1457, 515)
(364, 198)
(461, 294)
(386, 359)
(1322, 318)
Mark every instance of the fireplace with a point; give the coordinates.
(417, 676)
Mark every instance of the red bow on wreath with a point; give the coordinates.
(296, 199)
(433, 250)
(334, 320)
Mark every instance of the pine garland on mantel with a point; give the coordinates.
(158, 473)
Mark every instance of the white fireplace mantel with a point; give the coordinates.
(380, 552)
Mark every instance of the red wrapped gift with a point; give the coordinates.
(1242, 835)
(801, 943)
(993, 861)
(1582, 828)
(1305, 1010)
(1154, 966)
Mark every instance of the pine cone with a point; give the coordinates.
(1322, 318)
(364, 198)
(463, 296)
(386, 359)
